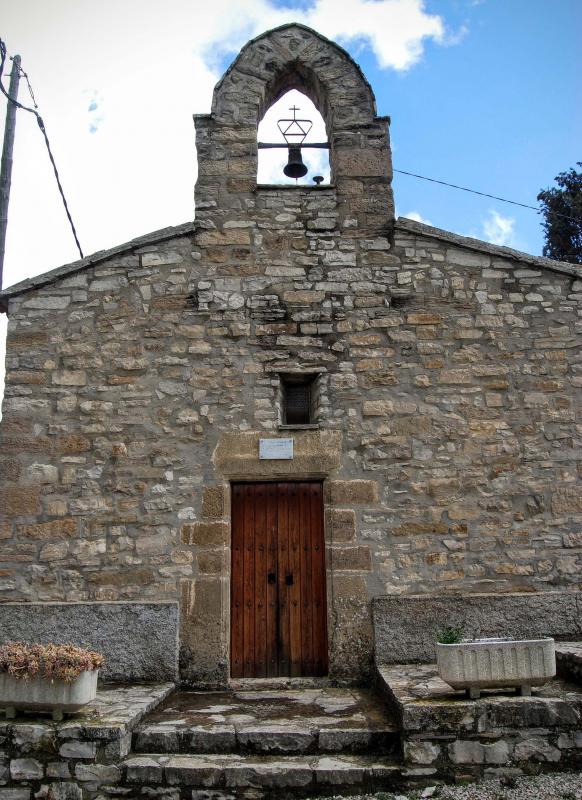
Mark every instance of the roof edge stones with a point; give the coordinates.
(405, 225)
(96, 258)
(402, 225)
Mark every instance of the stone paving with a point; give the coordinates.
(273, 720)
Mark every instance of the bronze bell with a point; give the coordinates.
(295, 167)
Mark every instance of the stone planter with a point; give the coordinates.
(496, 663)
(40, 694)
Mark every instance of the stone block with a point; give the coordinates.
(16, 501)
(362, 162)
(377, 408)
(217, 739)
(33, 737)
(211, 562)
(421, 752)
(205, 534)
(215, 502)
(26, 769)
(275, 739)
(72, 443)
(423, 318)
(142, 769)
(357, 492)
(64, 791)
(56, 529)
(193, 771)
(349, 558)
(232, 236)
(536, 748)
(567, 500)
(69, 377)
(58, 769)
(76, 749)
(341, 524)
(98, 773)
(303, 298)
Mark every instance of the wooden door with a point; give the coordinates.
(278, 619)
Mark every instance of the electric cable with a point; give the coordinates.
(492, 196)
(41, 125)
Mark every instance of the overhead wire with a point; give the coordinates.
(399, 171)
(42, 127)
(485, 194)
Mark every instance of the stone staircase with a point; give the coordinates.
(265, 743)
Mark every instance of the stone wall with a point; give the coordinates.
(138, 640)
(138, 382)
(406, 627)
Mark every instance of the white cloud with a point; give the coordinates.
(417, 217)
(95, 111)
(498, 229)
(394, 29)
(132, 169)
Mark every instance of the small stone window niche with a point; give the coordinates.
(298, 396)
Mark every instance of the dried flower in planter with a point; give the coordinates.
(62, 662)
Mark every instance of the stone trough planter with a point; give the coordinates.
(496, 663)
(40, 694)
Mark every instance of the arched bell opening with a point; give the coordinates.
(293, 106)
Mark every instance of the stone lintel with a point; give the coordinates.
(315, 455)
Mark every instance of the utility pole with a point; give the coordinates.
(7, 148)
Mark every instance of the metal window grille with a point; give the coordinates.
(297, 400)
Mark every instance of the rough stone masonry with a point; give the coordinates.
(448, 420)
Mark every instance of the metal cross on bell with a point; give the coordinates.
(294, 132)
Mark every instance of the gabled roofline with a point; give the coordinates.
(402, 224)
(84, 263)
(412, 226)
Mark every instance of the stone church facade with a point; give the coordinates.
(441, 452)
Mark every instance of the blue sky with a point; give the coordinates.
(483, 93)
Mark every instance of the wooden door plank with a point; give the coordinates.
(306, 593)
(260, 599)
(237, 587)
(272, 578)
(249, 581)
(282, 571)
(318, 581)
(293, 580)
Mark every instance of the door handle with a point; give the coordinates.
(289, 580)
(271, 577)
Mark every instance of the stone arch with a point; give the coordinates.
(294, 57)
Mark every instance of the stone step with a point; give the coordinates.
(269, 773)
(264, 739)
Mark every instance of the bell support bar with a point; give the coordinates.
(269, 145)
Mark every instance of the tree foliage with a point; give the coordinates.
(563, 236)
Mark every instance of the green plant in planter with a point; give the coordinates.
(450, 634)
(62, 662)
